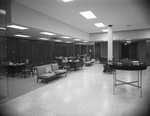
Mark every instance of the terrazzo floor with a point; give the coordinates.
(85, 92)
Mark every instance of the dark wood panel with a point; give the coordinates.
(77, 50)
(97, 50)
(83, 49)
(133, 51)
(58, 49)
(35, 53)
(64, 50)
(24, 50)
(3, 53)
(91, 51)
(39, 52)
(148, 52)
(104, 51)
(11, 50)
(142, 51)
(116, 51)
(70, 50)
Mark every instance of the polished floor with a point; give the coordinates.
(86, 92)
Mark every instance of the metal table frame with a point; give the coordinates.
(139, 82)
(137, 68)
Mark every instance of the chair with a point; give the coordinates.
(107, 68)
(56, 70)
(27, 69)
(44, 73)
(66, 65)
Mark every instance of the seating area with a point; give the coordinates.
(27, 70)
(48, 72)
(70, 63)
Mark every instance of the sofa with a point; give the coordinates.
(48, 72)
(89, 62)
(75, 65)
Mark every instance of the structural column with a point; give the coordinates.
(110, 43)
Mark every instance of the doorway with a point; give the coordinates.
(129, 51)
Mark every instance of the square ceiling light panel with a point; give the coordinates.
(88, 15)
(99, 24)
(67, 0)
(47, 33)
(19, 35)
(17, 27)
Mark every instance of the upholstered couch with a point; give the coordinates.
(49, 71)
(89, 62)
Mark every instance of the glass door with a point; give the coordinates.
(3, 54)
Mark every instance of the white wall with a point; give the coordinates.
(122, 35)
(29, 17)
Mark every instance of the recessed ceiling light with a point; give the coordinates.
(58, 40)
(66, 37)
(68, 42)
(47, 33)
(17, 27)
(67, 0)
(43, 38)
(3, 12)
(88, 14)
(19, 35)
(2, 28)
(105, 30)
(128, 42)
(85, 41)
(77, 39)
(99, 24)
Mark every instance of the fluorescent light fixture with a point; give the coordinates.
(85, 41)
(105, 30)
(3, 12)
(99, 24)
(47, 33)
(67, 0)
(88, 14)
(19, 35)
(43, 38)
(129, 41)
(17, 27)
(68, 42)
(77, 39)
(2, 28)
(66, 37)
(58, 40)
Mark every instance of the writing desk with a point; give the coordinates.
(129, 67)
(15, 69)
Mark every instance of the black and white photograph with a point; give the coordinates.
(74, 58)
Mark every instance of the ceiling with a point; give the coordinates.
(122, 14)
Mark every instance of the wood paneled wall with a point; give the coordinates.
(148, 52)
(83, 49)
(43, 52)
(97, 50)
(101, 50)
(40, 52)
(138, 51)
(141, 48)
(70, 50)
(3, 53)
(77, 50)
(90, 50)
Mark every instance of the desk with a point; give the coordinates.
(15, 69)
(138, 68)
(76, 65)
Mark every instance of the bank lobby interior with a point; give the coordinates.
(47, 32)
